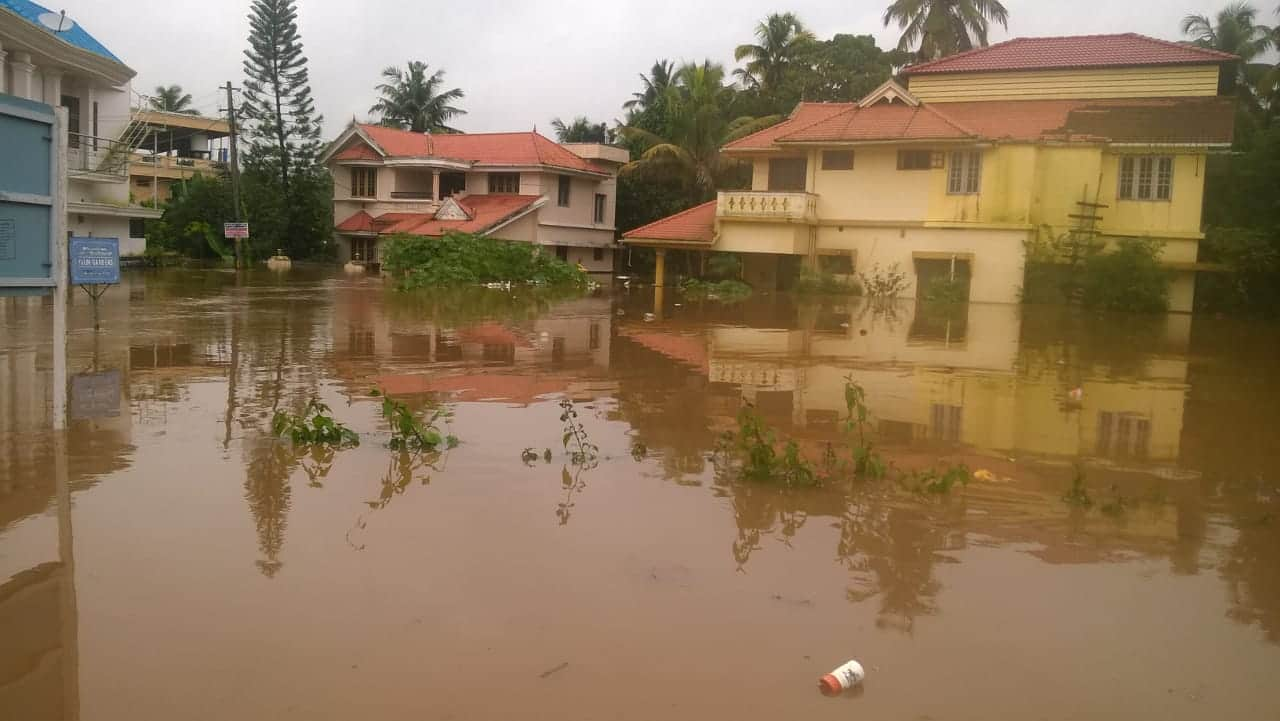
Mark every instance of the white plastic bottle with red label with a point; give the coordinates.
(842, 679)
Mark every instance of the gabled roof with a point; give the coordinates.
(1078, 51)
(695, 225)
(804, 115)
(72, 33)
(494, 149)
(883, 121)
(486, 213)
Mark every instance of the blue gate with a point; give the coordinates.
(28, 186)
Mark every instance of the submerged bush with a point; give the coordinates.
(1129, 278)
(417, 261)
(315, 425)
(728, 290)
(946, 291)
(1251, 283)
(823, 283)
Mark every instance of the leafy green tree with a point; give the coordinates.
(698, 123)
(937, 28)
(847, 67)
(581, 130)
(781, 40)
(655, 85)
(1235, 29)
(202, 202)
(171, 99)
(283, 132)
(413, 100)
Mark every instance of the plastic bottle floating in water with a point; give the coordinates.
(842, 679)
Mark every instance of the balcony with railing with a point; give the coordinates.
(768, 206)
(169, 166)
(94, 158)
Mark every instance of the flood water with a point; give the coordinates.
(166, 558)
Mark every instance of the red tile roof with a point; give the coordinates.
(502, 149)
(695, 225)
(361, 222)
(804, 115)
(486, 212)
(357, 150)
(1080, 51)
(690, 349)
(882, 121)
(1150, 120)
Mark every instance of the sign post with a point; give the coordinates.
(95, 266)
(237, 231)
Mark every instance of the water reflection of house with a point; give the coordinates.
(973, 385)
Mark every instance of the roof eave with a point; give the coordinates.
(24, 33)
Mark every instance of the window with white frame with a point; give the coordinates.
(565, 185)
(602, 203)
(364, 182)
(964, 176)
(1146, 177)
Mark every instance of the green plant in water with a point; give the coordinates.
(824, 283)
(409, 433)
(933, 482)
(465, 259)
(1078, 495)
(315, 425)
(867, 463)
(945, 291)
(756, 445)
(584, 452)
(724, 290)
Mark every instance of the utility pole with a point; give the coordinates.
(235, 172)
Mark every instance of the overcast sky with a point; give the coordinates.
(523, 63)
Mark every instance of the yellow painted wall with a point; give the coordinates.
(1181, 215)
(874, 190)
(749, 237)
(1148, 82)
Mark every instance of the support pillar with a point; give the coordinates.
(53, 88)
(435, 186)
(4, 83)
(660, 267)
(23, 72)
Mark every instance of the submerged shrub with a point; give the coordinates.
(313, 426)
(417, 261)
(823, 283)
(1251, 283)
(727, 290)
(1129, 278)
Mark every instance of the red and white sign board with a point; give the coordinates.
(235, 230)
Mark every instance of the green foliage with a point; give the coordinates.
(944, 27)
(755, 444)
(409, 433)
(822, 283)
(724, 266)
(288, 197)
(867, 463)
(171, 99)
(730, 291)
(1251, 284)
(1078, 495)
(413, 99)
(945, 291)
(417, 261)
(314, 426)
(582, 130)
(584, 453)
(884, 283)
(933, 482)
(1128, 279)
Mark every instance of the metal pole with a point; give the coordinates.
(235, 172)
(58, 229)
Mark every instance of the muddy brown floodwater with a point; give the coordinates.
(167, 559)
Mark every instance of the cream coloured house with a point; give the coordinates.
(981, 153)
(514, 186)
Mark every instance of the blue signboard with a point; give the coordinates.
(27, 202)
(95, 261)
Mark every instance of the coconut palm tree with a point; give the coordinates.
(697, 105)
(944, 27)
(413, 99)
(581, 130)
(781, 38)
(171, 99)
(655, 85)
(1235, 30)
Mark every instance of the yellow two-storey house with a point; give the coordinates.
(980, 153)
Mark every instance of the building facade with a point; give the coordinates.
(514, 186)
(47, 57)
(1032, 140)
(173, 148)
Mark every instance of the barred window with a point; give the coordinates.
(364, 182)
(965, 175)
(1146, 177)
(504, 183)
(837, 160)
